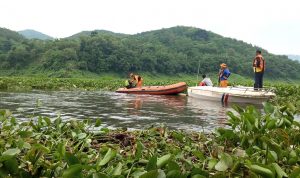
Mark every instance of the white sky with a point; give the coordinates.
(273, 25)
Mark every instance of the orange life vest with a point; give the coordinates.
(259, 64)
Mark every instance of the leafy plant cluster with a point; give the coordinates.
(254, 145)
(287, 93)
(167, 51)
(58, 84)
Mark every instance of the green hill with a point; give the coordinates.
(167, 51)
(6, 34)
(95, 33)
(32, 34)
(8, 40)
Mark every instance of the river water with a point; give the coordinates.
(118, 110)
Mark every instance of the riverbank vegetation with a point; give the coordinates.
(114, 81)
(252, 145)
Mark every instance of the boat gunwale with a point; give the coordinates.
(183, 86)
(244, 95)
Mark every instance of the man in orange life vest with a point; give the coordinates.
(259, 67)
(136, 79)
(223, 75)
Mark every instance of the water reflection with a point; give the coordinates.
(215, 112)
(119, 110)
(143, 104)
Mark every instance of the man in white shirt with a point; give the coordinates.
(206, 81)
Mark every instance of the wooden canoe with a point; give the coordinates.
(156, 90)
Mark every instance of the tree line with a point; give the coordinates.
(167, 51)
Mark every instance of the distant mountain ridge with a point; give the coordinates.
(294, 57)
(33, 34)
(95, 32)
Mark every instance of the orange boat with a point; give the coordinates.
(156, 90)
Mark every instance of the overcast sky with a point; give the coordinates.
(271, 24)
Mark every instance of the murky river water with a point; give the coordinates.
(118, 110)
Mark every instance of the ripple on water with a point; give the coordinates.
(117, 110)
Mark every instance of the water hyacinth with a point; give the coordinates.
(27, 83)
(254, 145)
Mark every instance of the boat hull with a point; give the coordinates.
(156, 90)
(230, 95)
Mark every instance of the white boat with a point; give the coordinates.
(231, 94)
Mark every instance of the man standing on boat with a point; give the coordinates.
(259, 69)
(223, 75)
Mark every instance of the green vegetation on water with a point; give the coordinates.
(20, 83)
(285, 92)
(254, 145)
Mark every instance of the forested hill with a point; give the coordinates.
(168, 51)
(95, 32)
(6, 34)
(32, 34)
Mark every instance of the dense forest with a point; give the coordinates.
(167, 51)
